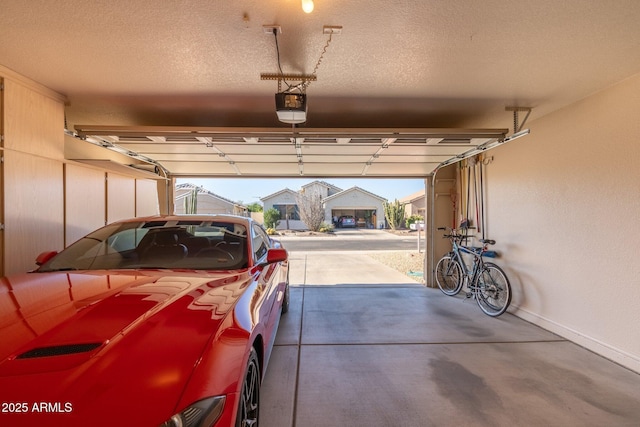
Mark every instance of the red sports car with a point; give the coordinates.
(158, 321)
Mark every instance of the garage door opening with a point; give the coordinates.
(357, 218)
(346, 203)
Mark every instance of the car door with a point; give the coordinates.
(267, 280)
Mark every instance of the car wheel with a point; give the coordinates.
(248, 407)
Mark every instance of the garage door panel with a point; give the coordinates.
(412, 159)
(426, 150)
(335, 159)
(199, 168)
(343, 149)
(253, 148)
(332, 169)
(212, 158)
(158, 148)
(402, 169)
(262, 169)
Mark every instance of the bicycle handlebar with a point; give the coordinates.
(454, 235)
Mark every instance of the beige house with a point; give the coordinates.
(415, 204)
(208, 202)
(364, 206)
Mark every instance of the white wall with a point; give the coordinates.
(564, 206)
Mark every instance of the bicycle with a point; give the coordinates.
(487, 283)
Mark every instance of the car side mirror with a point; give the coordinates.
(276, 255)
(45, 256)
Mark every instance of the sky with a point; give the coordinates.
(250, 190)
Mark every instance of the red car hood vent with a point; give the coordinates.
(59, 350)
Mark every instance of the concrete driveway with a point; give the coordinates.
(363, 345)
(341, 268)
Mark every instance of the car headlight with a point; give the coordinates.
(202, 413)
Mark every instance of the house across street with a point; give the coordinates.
(366, 207)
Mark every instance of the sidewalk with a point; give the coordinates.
(346, 233)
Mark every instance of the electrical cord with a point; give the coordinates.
(275, 35)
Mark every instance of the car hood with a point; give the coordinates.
(84, 339)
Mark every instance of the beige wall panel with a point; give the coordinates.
(147, 197)
(563, 204)
(85, 201)
(165, 191)
(121, 197)
(34, 123)
(76, 149)
(33, 209)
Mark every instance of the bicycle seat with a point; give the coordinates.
(488, 241)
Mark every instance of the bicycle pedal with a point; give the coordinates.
(469, 294)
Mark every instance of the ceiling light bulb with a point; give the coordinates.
(307, 6)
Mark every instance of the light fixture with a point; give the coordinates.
(307, 6)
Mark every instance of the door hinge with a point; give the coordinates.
(1, 226)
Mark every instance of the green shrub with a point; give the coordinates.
(271, 217)
(413, 219)
(325, 228)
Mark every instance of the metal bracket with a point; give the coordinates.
(517, 127)
(304, 78)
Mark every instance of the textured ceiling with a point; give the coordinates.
(396, 63)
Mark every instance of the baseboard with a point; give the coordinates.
(616, 355)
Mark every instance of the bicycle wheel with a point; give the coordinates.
(492, 290)
(449, 275)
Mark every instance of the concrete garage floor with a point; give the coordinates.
(390, 352)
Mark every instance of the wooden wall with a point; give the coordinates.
(46, 201)
(33, 175)
(85, 201)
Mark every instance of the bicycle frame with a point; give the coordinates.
(469, 274)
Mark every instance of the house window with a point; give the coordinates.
(290, 210)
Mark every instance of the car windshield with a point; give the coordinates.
(197, 245)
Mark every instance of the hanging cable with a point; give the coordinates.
(275, 35)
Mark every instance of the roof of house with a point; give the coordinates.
(277, 193)
(202, 190)
(349, 190)
(411, 197)
(324, 183)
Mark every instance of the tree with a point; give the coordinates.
(191, 202)
(255, 207)
(271, 217)
(311, 210)
(394, 213)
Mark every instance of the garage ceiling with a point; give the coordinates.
(411, 72)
